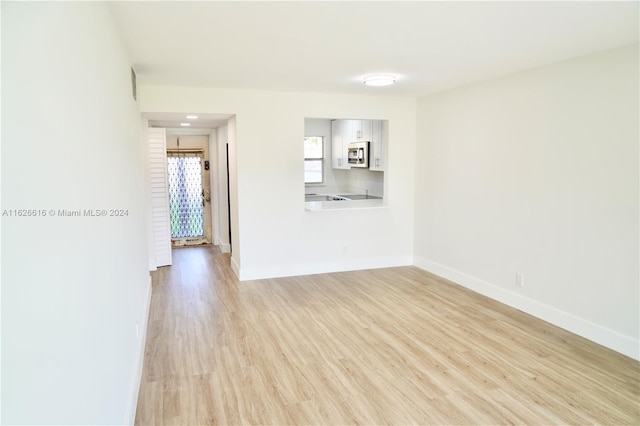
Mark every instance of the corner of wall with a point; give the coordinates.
(236, 268)
(609, 338)
(142, 341)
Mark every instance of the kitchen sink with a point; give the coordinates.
(360, 197)
(315, 197)
(339, 197)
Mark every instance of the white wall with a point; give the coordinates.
(232, 141)
(364, 180)
(537, 173)
(74, 288)
(276, 236)
(1, 244)
(189, 142)
(212, 143)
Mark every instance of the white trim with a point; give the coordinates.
(277, 271)
(213, 184)
(224, 247)
(611, 339)
(137, 377)
(235, 267)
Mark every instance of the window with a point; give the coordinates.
(313, 159)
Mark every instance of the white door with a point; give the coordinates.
(159, 196)
(188, 198)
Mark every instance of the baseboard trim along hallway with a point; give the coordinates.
(142, 339)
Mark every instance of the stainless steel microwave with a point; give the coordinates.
(359, 154)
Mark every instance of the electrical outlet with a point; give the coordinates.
(520, 280)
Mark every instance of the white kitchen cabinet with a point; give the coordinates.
(377, 156)
(344, 132)
(339, 146)
(357, 130)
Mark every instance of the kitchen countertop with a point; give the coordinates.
(352, 204)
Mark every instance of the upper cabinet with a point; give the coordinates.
(376, 147)
(357, 130)
(339, 145)
(344, 132)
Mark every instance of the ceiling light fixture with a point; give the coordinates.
(192, 117)
(379, 80)
(185, 124)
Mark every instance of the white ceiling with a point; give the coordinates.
(200, 126)
(329, 46)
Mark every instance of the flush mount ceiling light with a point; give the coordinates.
(379, 80)
(192, 117)
(185, 124)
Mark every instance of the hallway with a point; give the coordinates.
(386, 346)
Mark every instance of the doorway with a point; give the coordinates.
(188, 197)
(188, 184)
(208, 133)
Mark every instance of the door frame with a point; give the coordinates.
(188, 144)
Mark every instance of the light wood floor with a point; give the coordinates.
(387, 346)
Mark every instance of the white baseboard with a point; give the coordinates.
(606, 337)
(137, 378)
(235, 268)
(224, 247)
(152, 263)
(291, 270)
